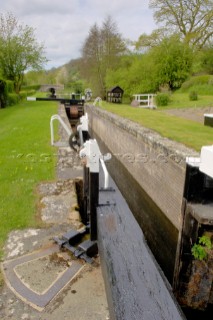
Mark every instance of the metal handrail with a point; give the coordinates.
(97, 100)
(66, 128)
(106, 174)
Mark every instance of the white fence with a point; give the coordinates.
(145, 100)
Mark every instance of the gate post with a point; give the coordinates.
(93, 203)
(92, 154)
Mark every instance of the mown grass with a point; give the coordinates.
(181, 100)
(189, 133)
(26, 158)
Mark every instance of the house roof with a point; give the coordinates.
(114, 88)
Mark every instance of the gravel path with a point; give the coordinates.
(194, 114)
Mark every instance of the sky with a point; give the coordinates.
(63, 25)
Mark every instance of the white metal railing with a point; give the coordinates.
(83, 126)
(147, 99)
(89, 150)
(66, 128)
(106, 174)
(98, 101)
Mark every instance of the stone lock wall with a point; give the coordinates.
(156, 163)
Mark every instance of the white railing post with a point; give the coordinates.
(83, 126)
(93, 156)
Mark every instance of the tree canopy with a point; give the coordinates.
(19, 50)
(192, 18)
(100, 52)
(173, 62)
(167, 64)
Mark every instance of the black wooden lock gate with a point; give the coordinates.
(193, 275)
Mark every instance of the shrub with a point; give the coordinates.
(12, 99)
(23, 94)
(162, 99)
(201, 249)
(35, 87)
(30, 92)
(193, 96)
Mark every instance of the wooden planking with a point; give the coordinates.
(135, 285)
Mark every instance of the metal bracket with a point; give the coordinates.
(109, 189)
(84, 250)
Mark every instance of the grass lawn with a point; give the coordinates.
(189, 133)
(26, 158)
(181, 100)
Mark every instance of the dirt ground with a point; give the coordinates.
(194, 114)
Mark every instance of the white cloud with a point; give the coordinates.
(63, 25)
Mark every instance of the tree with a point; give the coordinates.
(207, 59)
(145, 41)
(192, 18)
(19, 50)
(136, 74)
(167, 64)
(3, 93)
(91, 59)
(101, 51)
(173, 62)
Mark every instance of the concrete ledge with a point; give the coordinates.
(149, 136)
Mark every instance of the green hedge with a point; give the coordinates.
(12, 99)
(30, 88)
(162, 99)
(7, 95)
(23, 95)
(193, 96)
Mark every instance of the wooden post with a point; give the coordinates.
(85, 216)
(93, 203)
